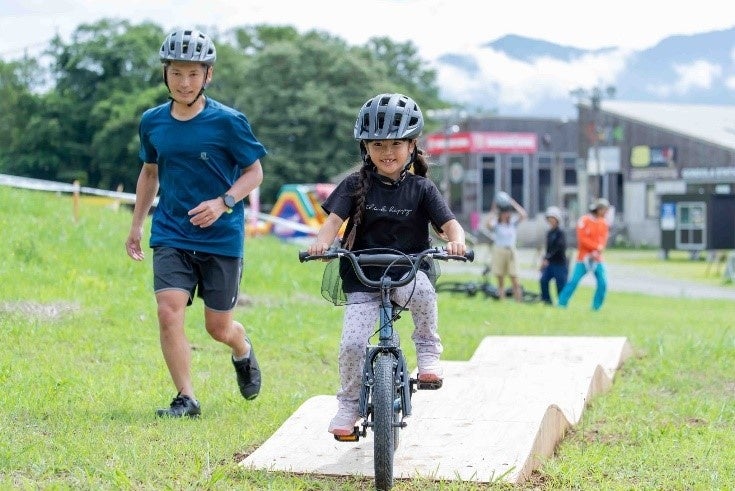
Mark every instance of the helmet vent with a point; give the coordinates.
(389, 117)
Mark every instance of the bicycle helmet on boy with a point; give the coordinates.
(389, 117)
(188, 45)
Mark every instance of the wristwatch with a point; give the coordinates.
(229, 202)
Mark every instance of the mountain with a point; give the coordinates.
(521, 76)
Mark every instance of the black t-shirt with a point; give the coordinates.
(396, 216)
(556, 246)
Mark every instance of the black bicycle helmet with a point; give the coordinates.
(389, 117)
(188, 45)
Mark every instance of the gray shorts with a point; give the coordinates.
(215, 279)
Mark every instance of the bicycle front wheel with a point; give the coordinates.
(383, 424)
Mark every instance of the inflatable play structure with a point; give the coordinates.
(297, 211)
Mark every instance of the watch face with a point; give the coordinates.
(229, 200)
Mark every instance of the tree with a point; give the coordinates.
(103, 60)
(406, 69)
(115, 143)
(302, 95)
(25, 135)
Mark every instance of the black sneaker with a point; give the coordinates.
(248, 374)
(181, 406)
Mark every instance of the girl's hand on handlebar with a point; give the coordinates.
(456, 248)
(317, 248)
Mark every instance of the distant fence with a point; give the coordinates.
(127, 198)
(62, 187)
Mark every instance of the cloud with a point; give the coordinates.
(493, 80)
(700, 74)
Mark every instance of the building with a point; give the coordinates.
(646, 150)
(533, 159)
(631, 153)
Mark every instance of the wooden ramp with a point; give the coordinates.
(497, 417)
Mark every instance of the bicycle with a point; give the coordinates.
(472, 288)
(385, 396)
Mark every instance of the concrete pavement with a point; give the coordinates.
(620, 277)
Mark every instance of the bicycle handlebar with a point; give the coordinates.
(388, 258)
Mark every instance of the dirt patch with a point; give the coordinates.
(43, 311)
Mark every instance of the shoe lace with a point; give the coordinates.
(179, 400)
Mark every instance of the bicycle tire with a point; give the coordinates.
(469, 288)
(530, 297)
(383, 420)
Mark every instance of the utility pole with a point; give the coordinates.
(449, 117)
(599, 187)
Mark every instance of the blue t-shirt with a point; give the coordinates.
(197, 160)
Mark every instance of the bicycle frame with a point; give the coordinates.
(385, 397)
(388, 344)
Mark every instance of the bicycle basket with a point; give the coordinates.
(332, 284)
(332, 289)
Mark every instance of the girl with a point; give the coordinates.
(387, 206)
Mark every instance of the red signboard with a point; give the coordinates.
(482, 142)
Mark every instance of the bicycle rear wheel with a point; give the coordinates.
(469, 288)
(384, 430)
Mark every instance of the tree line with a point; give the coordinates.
(72, 112)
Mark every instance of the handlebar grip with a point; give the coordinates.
(470, 255)
(305, 256)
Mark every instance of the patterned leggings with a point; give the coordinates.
(360, 322)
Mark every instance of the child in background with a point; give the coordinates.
(554, 264)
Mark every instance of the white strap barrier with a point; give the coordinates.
(129, 198)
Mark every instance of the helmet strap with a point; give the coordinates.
(201, 91)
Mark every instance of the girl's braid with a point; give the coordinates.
(363, 186)
(420, 166)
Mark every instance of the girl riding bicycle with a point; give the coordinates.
(388, 203)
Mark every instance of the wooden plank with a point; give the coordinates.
(497, 416)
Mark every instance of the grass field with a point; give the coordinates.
(81, 372)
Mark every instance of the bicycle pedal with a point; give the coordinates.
(352, 437)
(437, 384)
(430, 385)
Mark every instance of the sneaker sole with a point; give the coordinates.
(342, 431)
(161, 413)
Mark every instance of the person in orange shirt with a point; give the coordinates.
(592, 234)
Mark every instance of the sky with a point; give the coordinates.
(435, 27)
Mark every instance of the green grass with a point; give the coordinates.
(81, 371)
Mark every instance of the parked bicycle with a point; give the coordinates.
(484, 286)
(385, 397)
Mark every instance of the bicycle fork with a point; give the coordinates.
(402, 384)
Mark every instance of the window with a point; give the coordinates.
(691, 226)
(570, 170)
